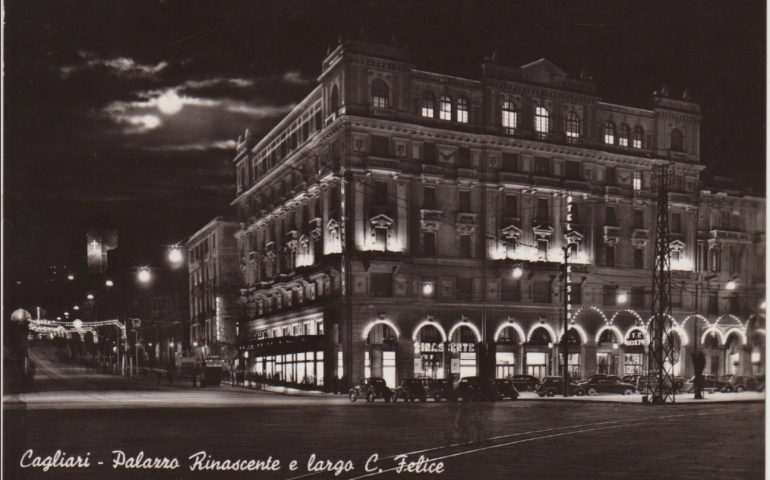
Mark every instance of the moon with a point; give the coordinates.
(169, 103)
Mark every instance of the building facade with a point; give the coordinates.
(214, 279)
(403, 223)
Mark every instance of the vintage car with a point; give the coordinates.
(552, 386)
(476, 388)
(525, 383)
(506, 389)
(371, 389)
(439, 389)
(410, 390)
(604, 384)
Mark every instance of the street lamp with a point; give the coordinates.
(109, 283)
(731, 285)
(144, 275)
(175, 256)
(622, 298)
(90, 296)
(75, 307)
(77, 324)
(427, 288)
(70, 277)
(517, 272)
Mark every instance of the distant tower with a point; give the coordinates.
(661, 349)
(99, 241)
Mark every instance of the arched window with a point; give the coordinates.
(677, 143)
(624, 135)
(380, 94)
(334, 100)
(638, 137)
(510, 117)
(445, 108)
(542, 122)
(462, 110)
(609, 133)
(426, 105)
(572, 127)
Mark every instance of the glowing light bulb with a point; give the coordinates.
(175, 255)
(144, 275)
(731, 285)
(427, 288)
(517, 272)
(622, 297)
(109, 283)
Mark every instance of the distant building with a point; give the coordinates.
(404, 223)
(213, 265)
(98, 243)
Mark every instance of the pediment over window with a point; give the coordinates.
(511, 232)
(573, 236)
(611, 235)
(640, 238)
(381, 221)
(676, 246)
(333, 226)
(543, 232)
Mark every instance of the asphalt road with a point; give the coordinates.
(511, 440)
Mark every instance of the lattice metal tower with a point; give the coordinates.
(660, 355)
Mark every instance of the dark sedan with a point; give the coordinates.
(506, 389)
(476, 388)
(371, 389)
(604, 384)
(525, 383)
(410, 390)
(551, 386)
(439, 389)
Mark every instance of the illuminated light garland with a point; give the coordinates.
(547, 329)
(579, 330)
(613, 329)
(697, 316)
(626, 310)
(729, 315)
(468, 324)
(713, 330)
(432, 323)
(739, 331)
(381, 321)
(515, 326)
(591, 307)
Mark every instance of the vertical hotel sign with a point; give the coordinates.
(567, 266)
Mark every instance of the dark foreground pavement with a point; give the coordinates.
(511, 440)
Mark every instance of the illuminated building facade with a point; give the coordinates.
(403, 223)
(213, 275)
(98, 243)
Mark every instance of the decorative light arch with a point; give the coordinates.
(670, 317)
(741, 333)
(683, 337)
(720, 336)
(465, 324)
(628, 310)
(383, 322)
(614, 330)
(696, 315)
(579, 330)
(432, 323)
(591, 307)
(640, 329)
(730, 315)
(547, 329)
(515, 326)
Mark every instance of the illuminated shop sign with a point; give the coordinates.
(452, 347)
(635, 337)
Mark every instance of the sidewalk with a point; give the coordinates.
(685, 398)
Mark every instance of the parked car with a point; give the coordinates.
(737, 383)
(439, 389)
(371, 389)
(525, 383)
(411, 389)
(551, 386)
(506, 389)
(641, 384)
(604, 384)
(710, 382)
(476, 388)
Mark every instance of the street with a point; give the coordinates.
(80, 412)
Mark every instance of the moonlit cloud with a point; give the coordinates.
(296, 78)
(195, 147)
(260, 111)
(139, 123)
(121, 66)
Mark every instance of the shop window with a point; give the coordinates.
(606, 363)
(542, 122)
(537, 364)
(504, 364)
(381, 284)
(462, 110)
(572, 127)
(510, 118)
(367, 364)
(380, 94)
(445, 108)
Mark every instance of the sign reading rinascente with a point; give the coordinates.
(452, 347)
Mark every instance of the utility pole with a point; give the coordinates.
(660, 381)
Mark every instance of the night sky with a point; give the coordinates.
(86, 144)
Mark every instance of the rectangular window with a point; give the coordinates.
(612, 219)
(464, 201)
(426, 109)
(465, 246)
(445, 109)
(381, 239)
(504, 364)
(510, 289)
(380, 193)
(637, 297)
(637, 181)
(381, 284)
(429, 243)
(734, 303)
(464, 157)
(429, 198)
(463, 289)
(612, 176)
(576, 293)
(511, 206)
(676, 222)
(379, 145)
(638, 258)
(510, 162)
(609, 256)
(541, 291)
(572, 170)
(541, 215)
(542, 166)
(638, 218)
(609, 295)
(713, 304)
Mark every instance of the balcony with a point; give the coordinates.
(468, 173)
(729, 236)
(381, 112)
(544, 179)
(466, 218)
(382, 163)
(514, 177)
(429, 169)
(430, 215)
(611, 234)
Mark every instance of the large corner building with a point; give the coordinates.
(404, 223)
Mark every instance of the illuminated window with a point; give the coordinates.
(542, 122)
(445, 108)
(625, 132)
(609, 133)
(676, 140)
(638, 137)
(510, 118)
(637, 181)
(380, 94)
(572, 127)
(462, 110)
(426, 104)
